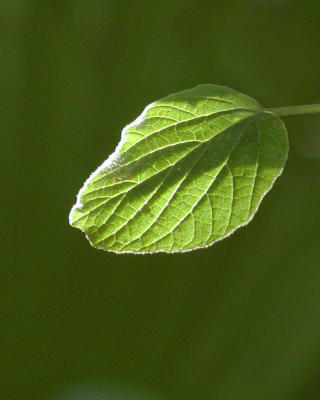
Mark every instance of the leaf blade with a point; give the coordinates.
(186, 173)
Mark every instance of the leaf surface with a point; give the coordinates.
(192, 168)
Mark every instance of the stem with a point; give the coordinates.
(294, 110)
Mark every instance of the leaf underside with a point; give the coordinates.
(191, 169)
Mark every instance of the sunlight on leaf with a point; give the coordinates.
(190, 170)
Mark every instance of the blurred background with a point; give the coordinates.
(237, 321)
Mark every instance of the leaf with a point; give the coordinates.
(189, 171)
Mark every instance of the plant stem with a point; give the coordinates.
(294, 110)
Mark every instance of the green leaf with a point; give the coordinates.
(189, 171)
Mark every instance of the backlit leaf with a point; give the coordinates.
(191, 169)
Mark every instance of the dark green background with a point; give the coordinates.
(238, 321)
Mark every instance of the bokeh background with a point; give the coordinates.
(237, 321)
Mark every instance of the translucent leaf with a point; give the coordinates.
(191, 169)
